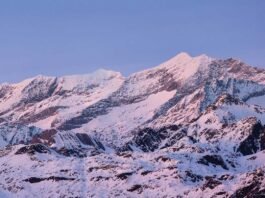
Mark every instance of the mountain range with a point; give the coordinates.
(189, 127)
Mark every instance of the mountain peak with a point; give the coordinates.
(182, 56)
(183, 59)
(184, 66)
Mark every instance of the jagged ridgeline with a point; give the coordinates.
(190, 127)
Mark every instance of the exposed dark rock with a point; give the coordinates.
(5, 151)
(39, 89)
(100, 108)
(4, 90)
(173, 139)
(211, 183)
(99, 178)
(106, 167)
(72, 152)
(124, 176)
(32, 149)
(221, 193)
(250, 191)
(215, 160)
(252, 158)
(87, 140)
(50, 111)
(162, 158)
(193, 177)
(124, 154)
(146, 172)
(231, 163)
(54, 178)
(64, 170)
(46, 137)
(225, 177)
(18, 133)
(2, 120)
(137, 187)
(254, 142)
(148, 139)
(227, 91)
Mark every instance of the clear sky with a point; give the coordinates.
(59, 37)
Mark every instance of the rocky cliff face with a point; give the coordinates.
(190, 127)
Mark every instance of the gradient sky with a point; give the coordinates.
(59, 37)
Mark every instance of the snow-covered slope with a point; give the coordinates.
(44, 101)
(189, 127)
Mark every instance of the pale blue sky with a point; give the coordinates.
(59, 37)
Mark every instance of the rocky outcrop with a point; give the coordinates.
(254, 142)
(32, 149)
(148, 139)
(215, 160)
(53, 178)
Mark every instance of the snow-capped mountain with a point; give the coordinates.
(189, 127)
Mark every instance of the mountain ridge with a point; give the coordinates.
(186, 127)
